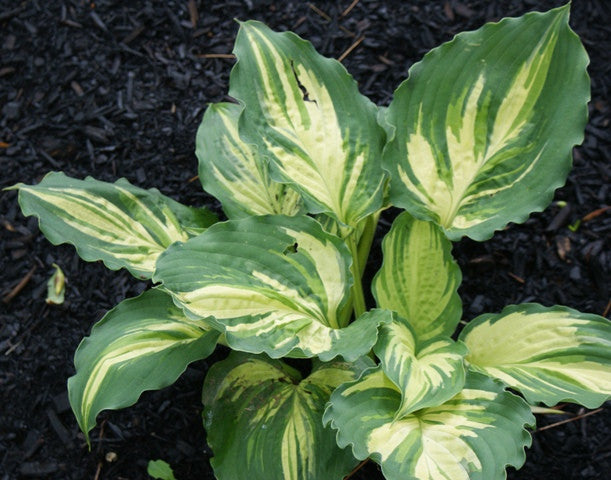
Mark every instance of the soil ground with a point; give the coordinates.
(116, 89)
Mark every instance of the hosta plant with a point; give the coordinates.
(478, 136)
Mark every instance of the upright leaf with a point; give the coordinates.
(306, 115)
(550, 355)
(273, 284)
(427, 373)
(472, 436)
(234, 172)
(419, 278)
(264, 422)
(144, 343)
(122, 225)
(485, 124)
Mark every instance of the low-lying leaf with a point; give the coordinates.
(265, 422)
(144, 343)
(549, 354)
(472, 436)
(122, 225)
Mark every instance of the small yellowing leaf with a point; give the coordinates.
(56, 287)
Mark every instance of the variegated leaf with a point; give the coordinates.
(549, 354)
(472, 436)
(264, 422)
(122, 225)
(234, 172)
(307, 116)
(274, 284)
(427, 373)
(144, 343)
(485, 124)
(419, 278)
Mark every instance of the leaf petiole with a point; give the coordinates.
(358, 298)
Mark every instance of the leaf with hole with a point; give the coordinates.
(305, 114)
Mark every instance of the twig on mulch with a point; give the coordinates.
(516, 277)
(349, 9)
(98, 471)
(216, 55)
(356, 469)
(327, 17)
(595, 213)
(21, 337)
(319, 12)
(569, 420)
(193, 13)
(98, 22)
(356, 43)
(20, 286)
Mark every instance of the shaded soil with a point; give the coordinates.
(117, 89)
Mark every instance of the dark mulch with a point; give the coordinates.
(116, 89)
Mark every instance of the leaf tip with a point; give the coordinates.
(17, 186)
